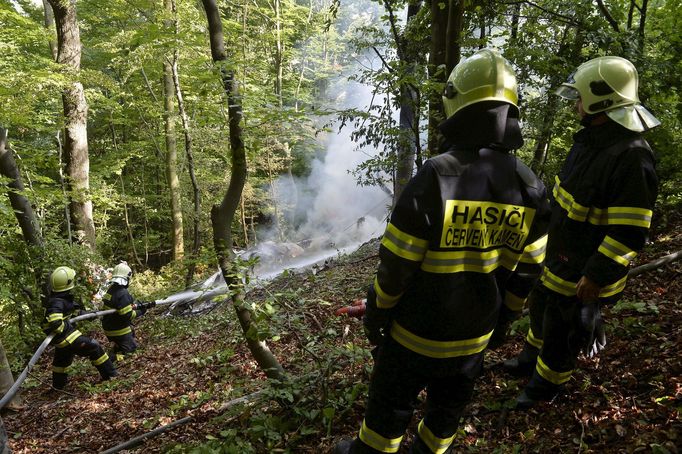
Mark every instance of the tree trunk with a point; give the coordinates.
(75, 122)
(437, 72)
(20, 204)
(6, 381)
(222, 215)
(4, 442)
(49, 23)
(196, 240)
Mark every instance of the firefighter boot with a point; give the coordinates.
(59, 380)
(344, 447)
(107, 370)
(537, 390)
(419, 447)
(524, 364)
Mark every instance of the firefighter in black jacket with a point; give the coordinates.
(118, 326)
(602, 204)
(68, 341)
(466, 240)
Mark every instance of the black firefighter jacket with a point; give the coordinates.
(602, 205)
(467, 234)
(118, 323)
(59, 308)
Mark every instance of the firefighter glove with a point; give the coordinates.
(591, 328)
(376, 321)
(504, 320)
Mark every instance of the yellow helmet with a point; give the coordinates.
(121, 274)
(609, 84)
(62, 279)
(485, 76)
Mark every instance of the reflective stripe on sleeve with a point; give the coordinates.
(69, 339)
(532, 340)
(616, 251)
(435, 444)
(438, 349)
(513, 302)
(55, 316)
(125, 310)
(574, 210)
(403, 244)
(556, 284)
(118, 332)
(384, 300)
(378, 442)
(548, 374)
(59, 370)
(614, 288)
(535, 252)
(100, 360)
(447, 262)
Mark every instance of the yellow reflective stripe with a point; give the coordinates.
(384, 300)
(107, 297)
(55, 316)
(548, 374)
(403, 244)
(447, 262)
(435, 444)
(616, 251)
(100, 360)
(555, 283)
(513, 302)
(69, 339)
(535, 252)
(118, 332)
(438, 349)
(574, 210)
(60, 329)
(532, 340)
(125, 310)
(59, 370)
(378, 442)
(638, 217)
(614, 288)
(133, 315)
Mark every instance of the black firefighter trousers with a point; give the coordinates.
(552, 345)
(82, 346)
(398, 377)
(123, 345)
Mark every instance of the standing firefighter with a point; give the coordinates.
(68, 341)
(601, 211)
(465, 241)
(118, 326)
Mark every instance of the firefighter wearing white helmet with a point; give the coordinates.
(69, 341)
(464, 244)
(118, 326)
(602, 205)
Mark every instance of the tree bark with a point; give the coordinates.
(75, 122)
(172, 154)
(222, 215)
(196, 240)
(49, 23)
(437, 70)
(20, 204)
(4, 442)
(7, 380)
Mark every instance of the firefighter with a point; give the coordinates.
(602, 205)
(118, 326)
(465, 241)
(68, 341)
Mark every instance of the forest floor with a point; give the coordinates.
(628, 399)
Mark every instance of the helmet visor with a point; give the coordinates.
(635, 118)
(567, 92)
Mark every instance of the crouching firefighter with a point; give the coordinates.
(466, 237)
(68, 341)
(118, 326)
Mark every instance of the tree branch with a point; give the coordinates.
(607, 15)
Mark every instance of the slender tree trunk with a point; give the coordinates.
(640, 29)
(516, 13)
(4, 442)
(49, 23)
(279, 51)
(196, 241)
(20, 204)
(172, 153)
(6, 382)
(222, 215)
(437, 71)
(75, 122)
(454, 35)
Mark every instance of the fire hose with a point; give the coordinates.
(193, 295)
(356, 309)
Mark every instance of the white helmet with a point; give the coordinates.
(121, 274)
(609, 84)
